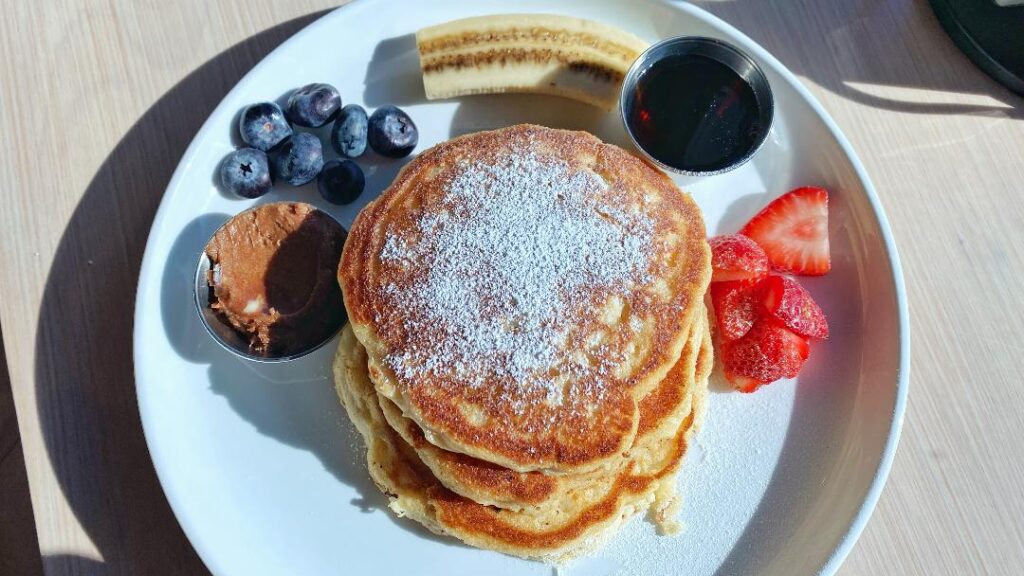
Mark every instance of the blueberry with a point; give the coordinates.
(341, 182)
(313, 105)
(246, 172)
(263, 126)
(349, 133)
(391, 132)
(300, 159)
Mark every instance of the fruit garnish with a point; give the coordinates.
(539, 53)
(349, 133)
(768, 352)
(736, 257)
(313, 105)
(276, 152)
(391, 132)
(735, 305)
(246, 172)
(300, 159)
(789, 302)
(793, 230)
(341, 182)
(263, 126)
(743, 383)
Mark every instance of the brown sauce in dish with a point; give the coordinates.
(272, 277)
(695, 113)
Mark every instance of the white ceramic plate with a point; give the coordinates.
(267, 477)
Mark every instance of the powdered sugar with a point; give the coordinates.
(733, 519)
(505, 257)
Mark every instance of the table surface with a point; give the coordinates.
(98, 101)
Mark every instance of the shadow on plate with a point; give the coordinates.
(393, 75)
(491, 111)
(741, 210)
(806, 470)
(302, 413)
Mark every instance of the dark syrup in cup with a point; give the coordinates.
(695, 113)
(697, 106)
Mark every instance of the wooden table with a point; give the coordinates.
(98, 101)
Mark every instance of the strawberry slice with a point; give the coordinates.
(743, 383)
(768, 352)
(788, 301)
(793, 230)
(735, 305)
(736, 257)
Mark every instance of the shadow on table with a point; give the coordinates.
(867, 44)
(83, 354)
(19, 544)
(73, 564)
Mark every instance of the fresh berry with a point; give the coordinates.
(793, 230)
(768, 352)
(246, 172)
(313, 105)
(743, 383)
(300, 159)
(391, 132)
(349, 133)
(341, 182)
(263, 126)
(788, 301)
(735, 305)
(736, 257)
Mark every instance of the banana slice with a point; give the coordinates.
(538, 53)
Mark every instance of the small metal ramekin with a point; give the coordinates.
(715, 49)
(223, 332)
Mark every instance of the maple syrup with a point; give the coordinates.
(694, 113)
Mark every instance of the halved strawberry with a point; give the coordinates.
(788, 301)
(793, 230)
(768, 352)
(735, 305)
(736, 257)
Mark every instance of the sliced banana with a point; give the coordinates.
(538, 53)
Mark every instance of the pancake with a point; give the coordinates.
(661, 413)
(581, 522)
(521, 290)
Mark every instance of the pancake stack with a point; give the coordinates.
(528, 349)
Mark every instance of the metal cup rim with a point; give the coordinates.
(764, 98)
(200, 287)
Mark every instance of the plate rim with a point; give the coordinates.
(902, 382)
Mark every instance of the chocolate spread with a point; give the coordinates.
(272, 276)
